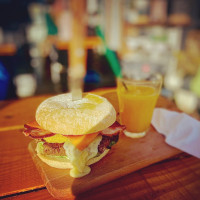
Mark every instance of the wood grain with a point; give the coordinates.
(19, 112)
(163, 180)
(18, 173)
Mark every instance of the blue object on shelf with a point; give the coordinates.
(92, 77)
(4, 81)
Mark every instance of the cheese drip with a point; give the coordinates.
(79, 158)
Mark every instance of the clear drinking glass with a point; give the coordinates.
(137, 100)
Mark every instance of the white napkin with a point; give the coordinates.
(181, 130)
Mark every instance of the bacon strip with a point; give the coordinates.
(114, 129)
(37, 133)
(32, 125)
(34, 130)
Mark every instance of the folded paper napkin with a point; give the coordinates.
(181, 130)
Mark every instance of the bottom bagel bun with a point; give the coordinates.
(62, 162)
(67, 156)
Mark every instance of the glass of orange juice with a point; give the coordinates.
(137, 100)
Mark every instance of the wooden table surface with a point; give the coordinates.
(175, 178)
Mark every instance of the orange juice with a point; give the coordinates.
(136, 103)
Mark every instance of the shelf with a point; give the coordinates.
(90, 42)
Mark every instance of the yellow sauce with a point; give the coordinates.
(79, 158)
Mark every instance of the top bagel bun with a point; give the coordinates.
(59, 114)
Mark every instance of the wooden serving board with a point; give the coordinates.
(127, 156)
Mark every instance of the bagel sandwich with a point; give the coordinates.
(74, 134)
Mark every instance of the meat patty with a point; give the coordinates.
(57, 149)
(107, 142)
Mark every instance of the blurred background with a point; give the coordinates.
(134, 35)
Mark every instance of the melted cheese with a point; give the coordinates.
(57, 138)
(79, 158)
(80, 141)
